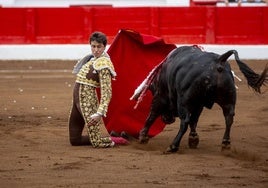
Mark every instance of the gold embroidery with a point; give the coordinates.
(95, 73)
(106, 91)
(88, 104)
(104, 62)
(82, 75)
(88, 73)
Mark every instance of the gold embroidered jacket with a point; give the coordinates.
(98, 72)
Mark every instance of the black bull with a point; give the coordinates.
(189, 80)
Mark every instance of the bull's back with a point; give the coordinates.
(193, 78)
(187, 64)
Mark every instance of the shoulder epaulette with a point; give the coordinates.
(104, 62)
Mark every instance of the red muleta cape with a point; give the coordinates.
(134, 55)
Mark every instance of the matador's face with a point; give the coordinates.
(97, 48)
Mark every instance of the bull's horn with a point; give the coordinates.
(225, 56)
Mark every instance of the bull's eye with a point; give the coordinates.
(220, 68)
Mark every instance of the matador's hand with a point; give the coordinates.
(94, 119)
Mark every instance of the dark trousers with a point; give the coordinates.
(76, 122)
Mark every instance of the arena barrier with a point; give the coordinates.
(178, 25)
(62, 33)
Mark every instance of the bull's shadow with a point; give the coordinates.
(188, 80)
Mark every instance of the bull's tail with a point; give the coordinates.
(254, 80)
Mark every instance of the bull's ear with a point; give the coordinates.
(225, 56)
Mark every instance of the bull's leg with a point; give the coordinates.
(226, 141)
(155, 112)
(229, 117)
(143, 137)
(193, 139)
(176, 142)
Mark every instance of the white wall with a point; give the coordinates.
(75, 52)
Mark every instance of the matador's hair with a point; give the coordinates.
(99, 37)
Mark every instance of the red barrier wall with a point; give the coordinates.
(187, 25)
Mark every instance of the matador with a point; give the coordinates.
(97, 72)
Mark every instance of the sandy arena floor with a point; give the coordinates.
(35, 100)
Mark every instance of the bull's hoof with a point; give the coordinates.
(225, 145)
(171, 149)
(193, 141)
(143, 139)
